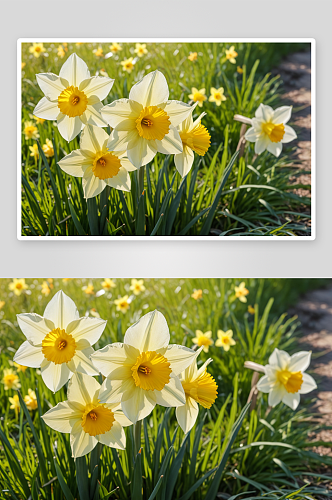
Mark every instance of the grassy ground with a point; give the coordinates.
(269, 457)
(256, 198)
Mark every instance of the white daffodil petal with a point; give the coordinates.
(289, 135)
(62, 417)
(51, 85)
(264, 385)
(74, 70)
(291, 400)
(275, 148)
(115, 438)
(151, 90)
(308, 384)
(120, 181)
(55, 376)
(99, 86)
(282, 114)
(187, 414)
(34, 327)
(300, 361)
(82, 443)
(275, 396)
(112, 390)
(87, 328)
(143, 152)
(184, 161)
(251, 135)
(74, 163)
(279, 358)
(127, 164)
(119, 139)
(82, 363)
(261, 145)
(61, 310)
(93, 139)
(92, 185)
(180, 357)
(121, 418)
(177, 111)
(150, 333)
(69, 127)
(82, 389)
(264, 112)
(92, 116)
(114, 356)
(47, 109)
(28, 355)
(137, 404)
(172, 394)
(171, 144)
(117, 111)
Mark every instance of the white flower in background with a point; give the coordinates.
(72, 98)
(269, 130)
(143, 370)
(285, 379)
(145, 123)
(87, 421)
(59, 343)
(200, 388)
(97, 166)
(195, 138)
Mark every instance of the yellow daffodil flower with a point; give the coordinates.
(122, 304)
(198, 96)
(89, 289)
(96, 164)
(38, 120)
(115, 47)
(45, 289)
(61, 52)
(18, 286)
(269, 130)
(217, 95)
(137, 286)
(203, 340)
(37, 49)
(108, 284)
(10, 379)
(140, 49)
(284, 378)
(239, 70)
(30, 131)
(15, 404)
(65, 280)
(251, 310)
(59, 343)
(98, 52)
(146, 122)
(34, 152)
(225, 339)
(20, 368)
(48, 149)
(86, 419)
(23, 64)
(143, 370)
(128, 64)
(241, 292)
(2, 303)
(192, 56)
(31, 400)
(73, 98)
(197, 294)
(231, 54)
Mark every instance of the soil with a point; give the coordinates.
(315, 313)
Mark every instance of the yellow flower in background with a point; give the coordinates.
(98, 52)
(38, 120)
(30, 131)
(65, 280)
(10, 379)
(31, 400)
(88, 289)
(78, 44)
(225, 339)
(198, 96)
(231, 54)
(251, 310)
(23, 64)
(45, 289)
(34, 152)
(20, 368)
(48, 149)
(241, 292)
(115, 47)
(217, 95)
(197, 294)
(140, 49)
(107, 284)
(203, 339)
(37, 49)
(94, 313)
(15, 403)
(18, 286)
(239, 70)
(2, 303)
(102, 72)
(137, 286)
(122, 304)
(65, 46)
(61, 52)
(128, 64)
(192, 56)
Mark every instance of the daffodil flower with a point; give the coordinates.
(18, 286)
(198, 96)
(269, 130)
(72, 98)
(86, 419)
(231, 54)
(59, 343)
(146, 122)
(97, 166)
(137, 286)
(225, 339)
(217, 95)
(284, 378)
(143, 370)
(140, 49)
(203, 340)
(200, 388)
(195, 138)
(10, 379)
(241, 291)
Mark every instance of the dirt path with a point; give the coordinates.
(315, 313)
(295, 71)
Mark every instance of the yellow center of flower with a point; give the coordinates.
(58, 346)
(198, 96)
(204, 341)
(18, 286)
(203, 390)
(30, 130)
(72, 102)
(37, 49)
(225, 340)
(97, 420)
(10, 379)
(292, 381)
(153, 123)
(106, 165)
(151, 371)
(217, 96)
(274, 132)
(198, 139)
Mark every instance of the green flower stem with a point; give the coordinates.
(137, 436)
(141, 181)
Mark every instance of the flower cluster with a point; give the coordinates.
(204, 340)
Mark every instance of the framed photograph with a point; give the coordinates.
(166, 138)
